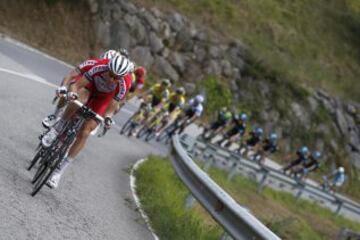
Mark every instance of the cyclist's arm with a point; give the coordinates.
(112, 108)
(71, 75)
(81, 83)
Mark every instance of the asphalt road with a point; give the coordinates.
(94, 199)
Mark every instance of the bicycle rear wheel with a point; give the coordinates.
(35, 158)
(39, 172)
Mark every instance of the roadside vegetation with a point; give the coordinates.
(162, 196)
(61, 28)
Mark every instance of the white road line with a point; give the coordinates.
(28, 76)
(136, 199)
(43, 81)
(27, 47)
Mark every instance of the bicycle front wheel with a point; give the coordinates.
(47, 172)
(126, 126)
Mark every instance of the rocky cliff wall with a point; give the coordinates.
(171, 46)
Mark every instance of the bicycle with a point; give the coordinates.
(136, 119)
(170, 130)
(150, 129)
(52, 156)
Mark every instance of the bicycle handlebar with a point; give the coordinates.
(97, 116)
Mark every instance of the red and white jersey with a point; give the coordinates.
(98, 75)
(88, 64)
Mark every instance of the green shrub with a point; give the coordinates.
(217, 94)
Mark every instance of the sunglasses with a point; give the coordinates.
(113, 75)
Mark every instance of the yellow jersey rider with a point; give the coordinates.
(159, 92)
(176, 99)
(173, 107)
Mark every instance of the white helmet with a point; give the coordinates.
(109, 54)
(119, 65)
(131, 66)
(341, 169)
(199, 98)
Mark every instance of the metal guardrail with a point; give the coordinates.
(223, 158)
(236, 220)
(347, 234)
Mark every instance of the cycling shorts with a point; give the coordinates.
(155, 101)
(189, 113)
(252, 141)
(217, 125)
(235, 130)
(99, 101)
(172, 107)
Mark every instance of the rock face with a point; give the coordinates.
(170, 46)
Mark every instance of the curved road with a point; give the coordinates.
(94, 199)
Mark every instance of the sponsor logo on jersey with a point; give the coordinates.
(87, 64)
(122, 89)
(97, 69)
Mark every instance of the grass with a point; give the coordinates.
(312, 42)
(163, 195)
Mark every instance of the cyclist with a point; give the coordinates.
(302, 157)
(176, 102)
(237, 129)
(252, 142)
(338, 178)
(138, 80)
(106, 86)
(311, 165)
(223, 118)
(193, 111)
(73, 76)
(159, 93)
(269, 146)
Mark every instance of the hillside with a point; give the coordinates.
(277, 55)
(313, 42)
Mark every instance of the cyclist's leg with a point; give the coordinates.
(74, 150)
(292, 164)
(71, 109)
(81, 138)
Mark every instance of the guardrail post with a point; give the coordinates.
(232, 171)
(226, 236)
(208, 162)
(263, 179)
(187, 142)
(301, 189)
(343, 234)
(340, 204)
(189, 201)
(233, 167)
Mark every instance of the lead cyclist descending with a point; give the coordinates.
(106, 86)
(73, 76)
